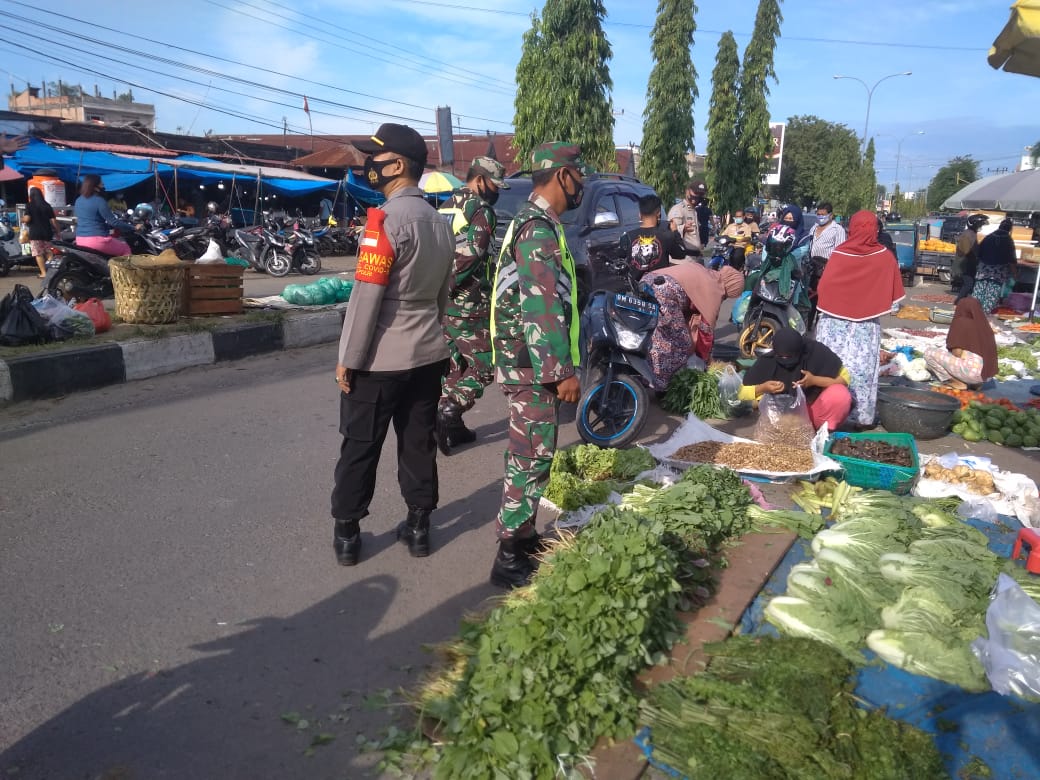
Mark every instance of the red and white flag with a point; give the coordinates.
(306, 107)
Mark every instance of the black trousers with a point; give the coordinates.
(408, 399)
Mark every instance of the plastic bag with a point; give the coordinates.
(20, 323)
(212, 255)
(63, 321)
(740, 307)
(729, 388)
(1011, 655)
(95, 309)
(783, 418)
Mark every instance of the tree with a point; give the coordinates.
(1034, 153)
(755, 140)
(721, 159)
(822, 163)
(868, 179)
(672, 88)
(951, 177)
(563, 82)
(126, 97)
(61, 89)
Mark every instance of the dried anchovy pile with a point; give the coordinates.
(790, 430)
(748, 457)
(878, 451)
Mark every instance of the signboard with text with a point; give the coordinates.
(776, 154)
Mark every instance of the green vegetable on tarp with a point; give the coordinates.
(585, 475)
(780, 708)
(694, 391)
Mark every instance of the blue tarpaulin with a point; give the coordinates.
(361, 193)
(1002, 731)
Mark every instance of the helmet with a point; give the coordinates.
(780, 240)
(211, 207)
(143, 211)
(975, 221)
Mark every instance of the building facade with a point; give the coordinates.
(84, 108)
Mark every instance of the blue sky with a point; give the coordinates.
(405, 57)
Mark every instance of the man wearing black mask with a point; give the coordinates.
(392, 353)
(466, 322)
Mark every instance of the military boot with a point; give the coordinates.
(532, 547)
(414, 531)
(346, 541)
(511, 569)
(451, 431)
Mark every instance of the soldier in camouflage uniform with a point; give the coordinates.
(466, 320)
(534, 330)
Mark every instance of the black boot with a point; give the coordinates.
(451, 431)
(415, 532)
(511, 569)
(346, 541)
(532, 547)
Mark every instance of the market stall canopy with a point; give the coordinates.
(439, 181)
(1008, 192)
(1017, 48)
(9, 174)
(284, 181)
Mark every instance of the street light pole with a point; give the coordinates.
(870, 94)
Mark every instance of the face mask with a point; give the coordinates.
(738, 220)
(374, 173)
(787, 361)
(489, 196)
(574, 199)
(823, 219)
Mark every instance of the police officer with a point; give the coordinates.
(684, 220)
(392, 353)
(534, 330)
(466, 325)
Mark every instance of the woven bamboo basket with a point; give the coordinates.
(147, 289)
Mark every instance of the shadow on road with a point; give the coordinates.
(221, 716)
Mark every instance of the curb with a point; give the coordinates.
(53, 374)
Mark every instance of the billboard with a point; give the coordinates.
(776, 154)
(445, 137)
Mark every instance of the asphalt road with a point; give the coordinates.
(169, 586)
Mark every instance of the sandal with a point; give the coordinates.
(956, 384)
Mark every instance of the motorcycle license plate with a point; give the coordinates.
(634, 303)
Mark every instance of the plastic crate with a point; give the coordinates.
(870, 474)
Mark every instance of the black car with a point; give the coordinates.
(593, 230)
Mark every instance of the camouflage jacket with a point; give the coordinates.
(474, 227)
(532, 308)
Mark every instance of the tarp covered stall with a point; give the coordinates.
(280, 180)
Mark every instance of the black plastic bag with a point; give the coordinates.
(20, 323)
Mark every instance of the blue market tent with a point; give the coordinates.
(280, 180)
(361, 193)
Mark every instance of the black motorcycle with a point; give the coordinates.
(779, 299)
(722, 254)
(11, 255)
(617, 328)
(263, 249)
(303, 249)
(78, 272)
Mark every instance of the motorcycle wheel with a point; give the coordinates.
(5, 264)
(278, 263)
(64, 284)
(758, 336)
(623, 419)
(311, 264)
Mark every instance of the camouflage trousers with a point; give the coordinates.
(469, 360)
(534, 416)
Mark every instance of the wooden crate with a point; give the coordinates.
(212, 289)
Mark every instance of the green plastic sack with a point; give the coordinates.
(343, 294)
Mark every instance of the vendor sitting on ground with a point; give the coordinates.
(690, 297)
(809, 365)
(970, 356)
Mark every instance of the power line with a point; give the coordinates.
(802, 39)
(301, 79)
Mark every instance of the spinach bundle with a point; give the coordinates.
(694, 391)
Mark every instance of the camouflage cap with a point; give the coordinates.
(492, 169)
(558, 154)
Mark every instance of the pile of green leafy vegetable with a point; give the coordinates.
(783, 709)
(694, 391)
(903, 576)
(585, 475)
(528, 691)
(1023, 353)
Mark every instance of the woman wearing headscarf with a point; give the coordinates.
(997, 265)
(860, 283)
(792, 217)
(970, 357)
(798, 362)
(690, 297)
(94, 220)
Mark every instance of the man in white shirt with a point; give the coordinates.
(682, 218)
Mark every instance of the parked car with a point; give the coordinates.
(593, 230)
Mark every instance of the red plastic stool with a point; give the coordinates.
(1030, 537)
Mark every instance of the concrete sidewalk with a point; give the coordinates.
(55, 372)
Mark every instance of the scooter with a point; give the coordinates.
(303, 250)
(616, 328)
(78, 272)
(262, 249)
(722, 254)
(775, 303)
(11, 255)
